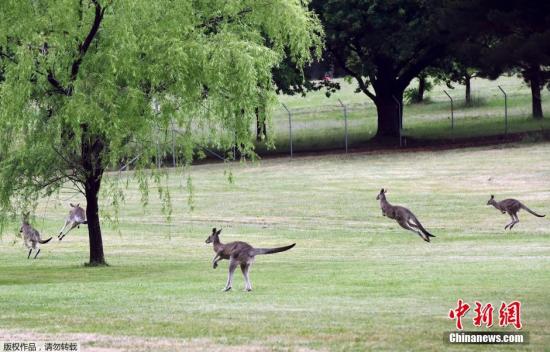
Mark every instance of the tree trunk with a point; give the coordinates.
(261, 128)
(468, 95)
(94, 229)
(421, 88)
(389, 112)
(535, 82)
(92, 147)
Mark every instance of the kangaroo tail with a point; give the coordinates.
(45, 241)
(272, 250)
(424, 231)
(532, 212)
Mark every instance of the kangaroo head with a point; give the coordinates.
(74, 206)
(214, 236)
(26, 217)
(491, 200)
(382, 194)
(25, 221)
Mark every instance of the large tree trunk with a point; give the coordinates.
(92, 148)
(421, 88)
(468, 95)
(94, 229)
(534, 76)
(389, 112)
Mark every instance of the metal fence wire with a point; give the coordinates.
(498, 109)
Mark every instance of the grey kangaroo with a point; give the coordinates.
(238, 253)
(510, 206)
(404, 217)
(31, 236)
(77, 217)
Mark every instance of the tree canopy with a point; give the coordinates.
(506, 36)
(91, 83)
(383, 45)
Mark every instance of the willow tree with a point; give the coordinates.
(83, 80)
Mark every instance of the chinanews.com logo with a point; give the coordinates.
(508, 315)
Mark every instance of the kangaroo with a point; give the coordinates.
(77, 217)
(238, 253)
(404, 217)
(31, 236)
(510, 206)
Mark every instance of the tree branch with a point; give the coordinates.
(362, 85)
(58, 88)
(406, 74)
(214, 21)
(83, 47)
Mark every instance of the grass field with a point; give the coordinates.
(355, 280)
(318, 121)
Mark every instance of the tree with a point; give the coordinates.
(452, 71)
(416, 95)
(508, 36)
(383, 45)
(94, 82)
(523, 32)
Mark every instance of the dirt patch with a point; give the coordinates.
(106, 343)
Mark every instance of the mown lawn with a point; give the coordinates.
(355, 280)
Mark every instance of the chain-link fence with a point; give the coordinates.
(346, 121)
(503, 108)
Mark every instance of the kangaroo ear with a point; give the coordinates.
(382, 190)
(214, 230)
(385, 191)
(219, 231)
(77, 205)
(492, 196)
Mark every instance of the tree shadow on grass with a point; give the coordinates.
(26, 275)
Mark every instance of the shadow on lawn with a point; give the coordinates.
(27, 274)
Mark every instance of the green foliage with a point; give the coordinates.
(205, 64)
(412, 95)
(383, 45)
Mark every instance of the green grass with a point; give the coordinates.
(318, 121)
(355, 280)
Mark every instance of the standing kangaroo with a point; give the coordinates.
(77, 217)
(31, 236)
(404, 217)
(238, 253)
(510, 206)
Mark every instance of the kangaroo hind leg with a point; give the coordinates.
(62, 229)
(245, 269)
(516, 220)
(232, 267)
(404, 224)
(511, 222)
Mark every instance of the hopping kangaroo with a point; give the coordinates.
(404, 217)
(31, 236)
(77, 217)
(510, 206)
(238, 253)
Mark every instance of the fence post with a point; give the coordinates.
(158, 156)
(505, 111)
(173, 145)
(289, 127)
(400, 116)
(345, 123)
(452, 113)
